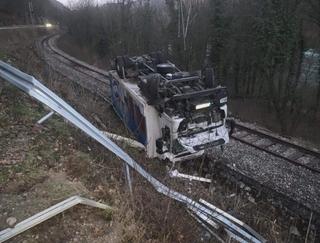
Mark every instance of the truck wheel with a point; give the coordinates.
(165, 68)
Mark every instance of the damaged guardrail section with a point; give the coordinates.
(235, 228)
(47, 214)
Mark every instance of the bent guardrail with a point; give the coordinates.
(235, 228)
(47, 214)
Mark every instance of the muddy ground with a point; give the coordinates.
(43, 165)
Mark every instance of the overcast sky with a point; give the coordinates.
(66, 2)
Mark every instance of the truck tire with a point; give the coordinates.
(165, 68)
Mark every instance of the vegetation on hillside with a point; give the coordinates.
(31, 11)
(256, 47)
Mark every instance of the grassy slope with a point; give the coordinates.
(41, 166)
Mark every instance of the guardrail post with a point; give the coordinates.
(46, 117)
(128, 177)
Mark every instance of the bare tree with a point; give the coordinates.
(256, 47)
(313, 13)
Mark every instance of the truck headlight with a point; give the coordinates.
(202, 106)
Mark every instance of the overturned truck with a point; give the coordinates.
(177, 115)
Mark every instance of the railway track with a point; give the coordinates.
(100, 85)
(293, 153)
(99, 80)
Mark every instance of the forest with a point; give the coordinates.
(260, 49)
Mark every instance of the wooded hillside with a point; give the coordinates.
(14, 12)
(257, 47)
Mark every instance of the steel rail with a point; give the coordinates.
(50, 40)
(271, 137)
(305, 151)
(101, 82)
(38, 91)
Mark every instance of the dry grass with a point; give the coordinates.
(147, 216)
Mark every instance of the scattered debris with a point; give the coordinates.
(248, 189)
(294, 231)
(131, 142)
(47, 214)
(176, 173)
(251, 199)
(242, 185)
(11, 221)
(232, 195)
(46, 117)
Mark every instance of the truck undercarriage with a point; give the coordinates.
(177, 115)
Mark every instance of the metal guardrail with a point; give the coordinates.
(34, 88)
(49, 213)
